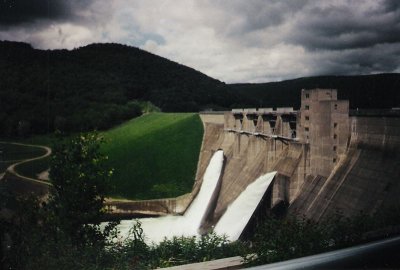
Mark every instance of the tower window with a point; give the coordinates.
(306, 129)
(307, 118)
(307, 95)
(334, 136)
(334, 125)
(334, 160)
(334, 148)
(307, 107)
(335, 106)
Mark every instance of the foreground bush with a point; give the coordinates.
(65, 232)
(184, 250)
(292, 237)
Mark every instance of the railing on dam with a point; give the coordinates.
(376, 255)
(258, 134)
(393, 112)
(379, 254)
(261, 111)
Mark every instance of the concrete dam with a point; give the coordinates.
(324, 158)
(309, 162)
(327, 158)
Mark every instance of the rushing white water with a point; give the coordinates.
(238, 214)
(232, 223)
(156, 229)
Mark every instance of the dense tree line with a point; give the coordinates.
(94, 87)
(365, 92)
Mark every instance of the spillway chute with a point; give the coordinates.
(231, 224)
(156, 229)
(238, 214)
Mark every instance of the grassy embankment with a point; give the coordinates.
(154, 156)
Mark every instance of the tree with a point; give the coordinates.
(80, 182)
(63, 233)
(23, 128)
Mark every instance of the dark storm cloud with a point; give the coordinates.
(232, 40)
(257, 14)
(391, 5)
(345, 27)
(338, 36)
(331, 25)
(17, 12)
(378, 59)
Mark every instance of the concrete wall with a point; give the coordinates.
(281, 122)
(366, 178)
(323, 123)
(364, 175)
(247, 158)
(212, 117)
(158, 207)
(344, 163)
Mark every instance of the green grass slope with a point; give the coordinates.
(154, 156)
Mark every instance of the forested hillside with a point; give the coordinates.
(93, 87)
(367, 92)
(101, 85)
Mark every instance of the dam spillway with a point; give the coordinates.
(247, 158)
(341, 160)
(336, 159)
(156, 229)
(232, 223)
(327, 158)
(238, 214)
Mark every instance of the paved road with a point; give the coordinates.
(11, 168)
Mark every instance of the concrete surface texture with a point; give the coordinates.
(366, 178)
(323, 122)
(247, 158)
(337, 162)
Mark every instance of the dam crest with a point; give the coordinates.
(328, 158)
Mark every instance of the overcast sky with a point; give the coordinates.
(230, 40)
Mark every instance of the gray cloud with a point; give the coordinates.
(355, 61)
(232, 40)
(17, 12)
(254, 15)
(391, 5)
(347, 26)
